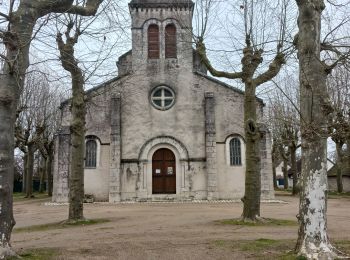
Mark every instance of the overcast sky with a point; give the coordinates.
(110, 32)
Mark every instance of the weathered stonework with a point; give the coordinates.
(62, 165)
(267, 189)
(115, 148)
(128, 129)
(210, 145)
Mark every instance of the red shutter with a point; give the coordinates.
(153, 41)
(170, 41)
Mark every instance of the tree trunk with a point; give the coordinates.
(17, 42)
(76, 177)
(30, 170)
(346, 164)
(251, 60)
(285, 174)
(24, 177)
(293, 169)
(313, 240)
(42, 170)
(251, 199)
(274, 151)
(8, 105)
(339, 166)
(49, 174)
(274, 173)
(339, 179)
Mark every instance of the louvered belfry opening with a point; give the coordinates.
(153, 41)
(170, 41)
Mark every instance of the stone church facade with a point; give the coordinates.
(162, 129)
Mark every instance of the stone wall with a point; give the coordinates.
(210, 145)
(267, 189)
(115, 150)
(62, 160)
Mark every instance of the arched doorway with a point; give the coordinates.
(163, 172)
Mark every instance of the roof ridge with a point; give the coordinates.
(225, 85)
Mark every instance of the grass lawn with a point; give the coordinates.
(59, 225)
(19, 196)
(266, 249)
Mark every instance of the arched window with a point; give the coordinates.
(235, 152)
(153, 41)
(170, 41)
(90, 153)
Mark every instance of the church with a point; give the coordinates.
(162, 129)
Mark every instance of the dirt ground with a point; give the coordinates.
(163, 230)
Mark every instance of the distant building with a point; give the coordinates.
(332, 179)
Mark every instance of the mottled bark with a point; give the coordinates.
(17, 41)
(76, 177)
(11, 81)
(313, 240)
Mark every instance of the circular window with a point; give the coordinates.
(163, 97)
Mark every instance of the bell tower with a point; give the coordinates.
(161, 35)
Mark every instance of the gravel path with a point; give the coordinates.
(161, 230)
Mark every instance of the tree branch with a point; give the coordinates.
(342, 58)
(90, 8)
(5, 16)
(200, 47)
(273, 70)
(62, 6)
(330, 160)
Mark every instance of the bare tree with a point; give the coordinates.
(251, 61)
(313, 241)
(82, 29)
(285, 125)
(31, 117)
(47, 141)
(76, 177)
(339, 121)
(16, 38)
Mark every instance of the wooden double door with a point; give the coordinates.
(163, 172)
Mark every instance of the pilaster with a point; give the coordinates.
(210, 146)
(115, 150)
(60, 192)
(267, 189)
